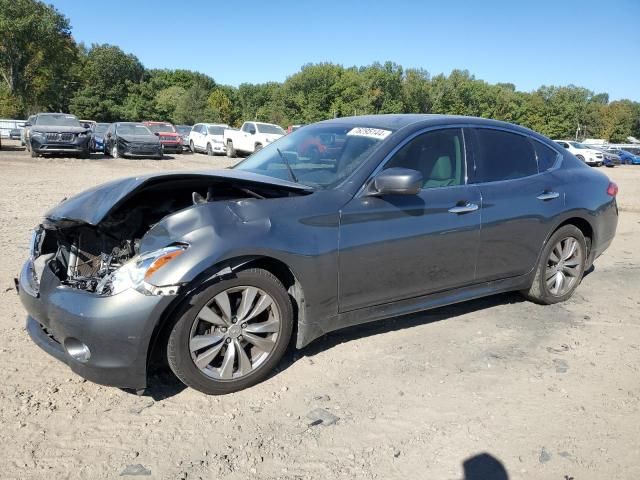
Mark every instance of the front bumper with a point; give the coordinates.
(134, 150)
(117, 329)
(40, 145)
(172, 146)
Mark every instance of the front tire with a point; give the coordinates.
(209, 150)
(561, 267)
(231, 152)
(232, 334)
(114, 151)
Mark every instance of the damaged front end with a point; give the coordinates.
(91, 242)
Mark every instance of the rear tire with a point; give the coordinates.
(559, 247)
(193, 149)
(231, 352)
(114, 151)
(231, 152)
(34, 154)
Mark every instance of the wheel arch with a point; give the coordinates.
(156, 352)
(582, 224)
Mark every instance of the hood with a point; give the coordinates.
(58, 129)
(94, 205)
(139, 138)
(272, 137)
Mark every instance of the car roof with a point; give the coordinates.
(397, 121)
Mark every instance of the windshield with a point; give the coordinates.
(101, 128)
(266, 128)
(578, 145)
(216, 130)
(133, 129)
(60, 120)
(161, 127)
(319, 156)
(183, 129)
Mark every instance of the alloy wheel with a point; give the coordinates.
(563, 266)
(234, 333)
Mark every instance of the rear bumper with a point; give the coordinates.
(117, 330)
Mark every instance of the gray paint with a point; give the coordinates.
(355, 257)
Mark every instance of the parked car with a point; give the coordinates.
(131, 139)
(184, 131)
(251, 137)
(58, 133)
(217, 270)
(97, 136)
(609, 159)
(169, 138)
(26, 127)
(208, 137)
(626, 157)
(590, 156)
(15, 133)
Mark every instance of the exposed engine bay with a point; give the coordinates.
(82, 256)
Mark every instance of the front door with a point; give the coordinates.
(401, 246)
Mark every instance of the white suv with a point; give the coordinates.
(588, 155)
(208, 137)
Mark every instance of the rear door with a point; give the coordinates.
(521, 195)
(396, 247)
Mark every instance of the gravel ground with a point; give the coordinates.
(459, 392)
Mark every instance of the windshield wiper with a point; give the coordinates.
(286, 162)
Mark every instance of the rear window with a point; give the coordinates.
(545, 156)
(60, 120)
(161, 127)
(502, 155)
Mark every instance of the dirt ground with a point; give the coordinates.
(460, 392)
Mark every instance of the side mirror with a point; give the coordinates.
(20, 125)
(252, 131)
(157, 134)
(86, 125)
(397, 181)
(27, 124)
(108, 135)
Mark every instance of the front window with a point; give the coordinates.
(161, 127)
(319, 156)
(133, 129)
(60, 120)
(183, 129)
(101, 128)
(267, 128)
(438, 155)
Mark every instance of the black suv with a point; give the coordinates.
(58, 133)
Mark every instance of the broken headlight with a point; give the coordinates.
(135, 273)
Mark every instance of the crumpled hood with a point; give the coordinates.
(94, 205)
(58, 129)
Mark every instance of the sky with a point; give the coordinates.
(593, 44)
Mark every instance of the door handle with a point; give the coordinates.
(548, 196)
(466, 208)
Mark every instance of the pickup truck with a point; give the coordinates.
(251, 137)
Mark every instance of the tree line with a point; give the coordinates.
(42, 68)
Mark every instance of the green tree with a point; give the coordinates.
(37, 55)
(108, 74)
(221, 107)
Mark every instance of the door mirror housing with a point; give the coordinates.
(252, 131)
(396, 181)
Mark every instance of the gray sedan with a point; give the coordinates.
(217, 271)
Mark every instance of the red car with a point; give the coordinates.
(169, 138)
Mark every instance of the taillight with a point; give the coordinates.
(612, 189)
